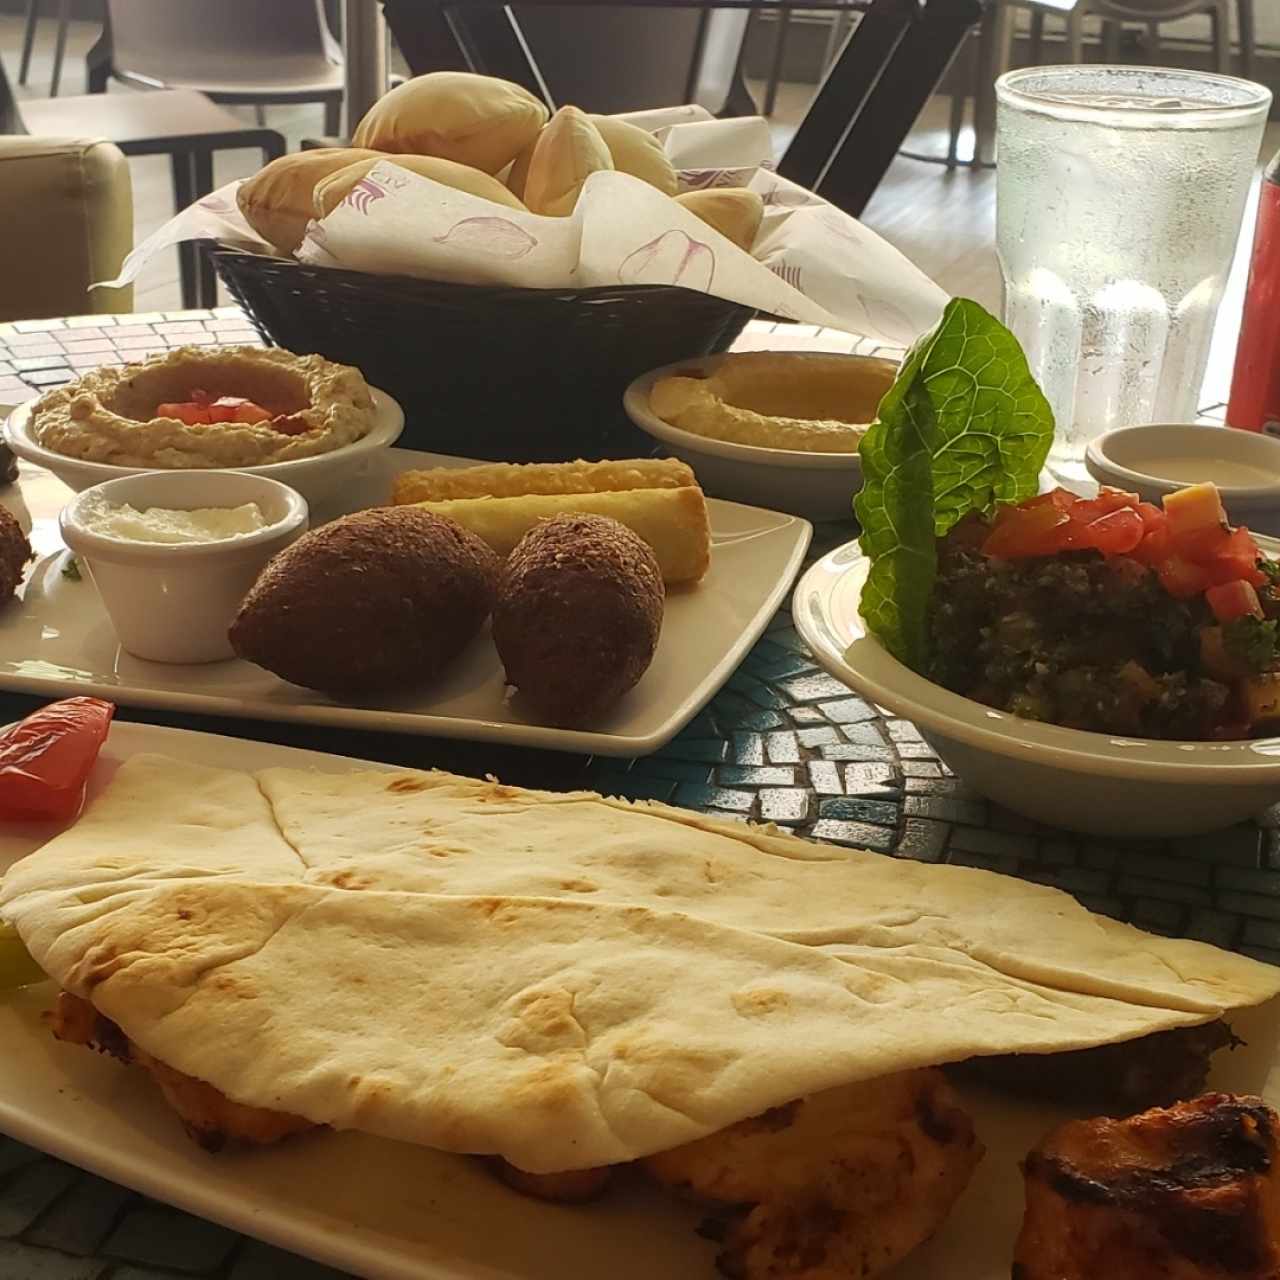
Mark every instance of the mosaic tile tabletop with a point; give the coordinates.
(782, 742)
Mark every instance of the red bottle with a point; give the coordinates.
(1255, 386)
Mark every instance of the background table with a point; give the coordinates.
(867, 102)
(782, 742)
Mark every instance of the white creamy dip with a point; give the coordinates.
(159, 524)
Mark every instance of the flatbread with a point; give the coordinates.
(561, 979)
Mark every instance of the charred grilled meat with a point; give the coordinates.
(1190, 1192)
(838, 1186)
(1154, 1071)
(209, 1117)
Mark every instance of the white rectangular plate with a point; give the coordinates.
(57, 639)
(391, 1211)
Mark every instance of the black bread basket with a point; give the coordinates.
(487, 371)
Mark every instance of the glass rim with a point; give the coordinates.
(1255, 98)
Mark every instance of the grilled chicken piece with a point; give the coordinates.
(209, 1117)
(572, 1187)
(837, 1186)
(1190, 1192)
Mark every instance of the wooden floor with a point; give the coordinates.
(943, 220)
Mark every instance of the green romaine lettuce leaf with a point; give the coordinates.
(963, 427)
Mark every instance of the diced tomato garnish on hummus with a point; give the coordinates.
(203, 411)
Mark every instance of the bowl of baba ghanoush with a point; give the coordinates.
(302, 420)
(1094, 662)
(778, 429)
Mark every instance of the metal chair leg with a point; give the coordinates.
(182, 165)
(1244, 18)
(1220, 21)
(995, 42)
(1111, 34)
(97, 62)
(1075, 37)
(958, 96)
(333, 115)
(1036, 50)
(60, 49)
(202, 184)
(1153, 43)
(783, 19)
(28, 39)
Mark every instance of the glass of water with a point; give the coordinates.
(1119, 199)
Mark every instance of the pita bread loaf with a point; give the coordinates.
(277, 201)
(637, 152)
(564, 980)
(568, 151)
(475, 120)
(734, 212)
(518, 174)
(633, 150)
(331, 191)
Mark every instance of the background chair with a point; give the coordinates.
(233, 51)
(1150, 13)
(991, 55)
(29, 39)
(179, 123)
(66, 206)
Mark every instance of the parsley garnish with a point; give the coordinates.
(1251, 641)
(71, 570)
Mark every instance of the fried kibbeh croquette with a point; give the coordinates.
(210, 1118)
(838, 1186)
(578, 614)
(376, 602)
(1188, 1192)
(15, 555)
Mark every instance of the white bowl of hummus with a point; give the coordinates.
(776, 429)
(173, 553)
(301, 420)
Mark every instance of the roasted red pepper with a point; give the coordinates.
(46, 758)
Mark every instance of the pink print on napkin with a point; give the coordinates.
(675, 257)
(495, 237)
(363, 194)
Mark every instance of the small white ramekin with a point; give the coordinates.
(1156, 458)
(174, 602)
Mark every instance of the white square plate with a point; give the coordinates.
(392, 1211)
(56, 639)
